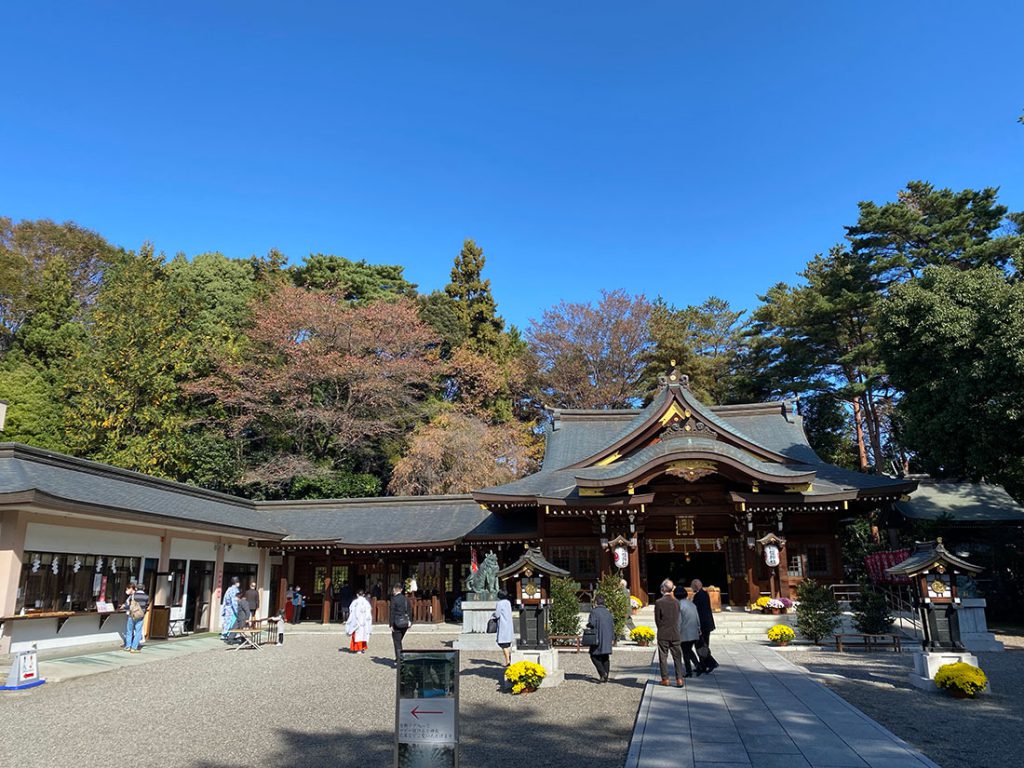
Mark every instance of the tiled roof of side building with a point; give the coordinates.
(79, 481)
(393, 520)
(962, 503)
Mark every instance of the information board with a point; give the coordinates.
(427, 710)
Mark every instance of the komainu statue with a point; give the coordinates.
(484, 583)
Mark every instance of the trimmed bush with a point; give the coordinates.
(565, 608)
(870, 611)
(616, 601)
(817, 612)
(962, 677)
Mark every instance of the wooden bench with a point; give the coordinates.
(251, 636)
(868, 642)
(567, 641)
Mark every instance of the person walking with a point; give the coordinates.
(297, 602)
(229, 608)
(603, 626)
(702, 601)
(399, 618)
(503, 615)
(360, 623)
(689, 630)
(252, 595)
(135, 604)
(666, 619)
(242, 616)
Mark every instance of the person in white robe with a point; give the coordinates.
(360, 623)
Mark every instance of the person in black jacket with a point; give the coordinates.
(603, 624)
(400, 618)
(702, 600)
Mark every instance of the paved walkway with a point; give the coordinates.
(759, 710)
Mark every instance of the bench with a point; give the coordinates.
(868, 642)
(567, 641)
(251, 636)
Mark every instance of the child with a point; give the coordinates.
(280, 621)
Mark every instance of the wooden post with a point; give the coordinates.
(325, 614)
(783, 572)
(753, 587)
(634, 575)
(282, 591)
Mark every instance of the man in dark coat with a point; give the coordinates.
(400, 619)
(253, 596)
(702, 600)
(666, 619)
(603, 625)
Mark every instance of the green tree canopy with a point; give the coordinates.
(953, 342)
(356, 281)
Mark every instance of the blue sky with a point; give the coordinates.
(676, 148)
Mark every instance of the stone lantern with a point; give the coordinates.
(532, 574)
(933, 572)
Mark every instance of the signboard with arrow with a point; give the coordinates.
(427, 709)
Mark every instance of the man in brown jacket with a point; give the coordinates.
(666, 619)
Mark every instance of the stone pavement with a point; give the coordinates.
(759, 710)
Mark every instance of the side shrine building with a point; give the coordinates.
(675, 490)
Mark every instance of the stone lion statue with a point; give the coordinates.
(485, 580)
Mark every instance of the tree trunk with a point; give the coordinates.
(858, 420)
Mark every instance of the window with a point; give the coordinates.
(562, 557)
(56, 581)
(796, 566)
(817, 559)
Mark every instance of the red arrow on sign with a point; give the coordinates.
(416, 712)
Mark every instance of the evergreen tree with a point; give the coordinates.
(616, 601)
(870, 611)
(817, 612)
(477, 311)
(565, 607)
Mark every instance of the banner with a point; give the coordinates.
(877, 562)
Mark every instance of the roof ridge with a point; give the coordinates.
(361, 501)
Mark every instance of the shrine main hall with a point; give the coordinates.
(677, 489)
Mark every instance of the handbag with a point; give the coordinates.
(703, 652)
(589, 637)
(492, 625)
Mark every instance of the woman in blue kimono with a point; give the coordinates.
(503, 613)
(229, 608)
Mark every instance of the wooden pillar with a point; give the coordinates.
(282, 592)
(635, 587)
(783, 572)
(263, 583)
(753, 586)
(325, 613)
(218, 591)
(163, 565)
(13, 524)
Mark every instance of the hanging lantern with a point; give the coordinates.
(771, 555)
(621, 555)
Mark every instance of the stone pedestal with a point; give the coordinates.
(927, 663)
(547, 659)
(474, 636)
(974, 632)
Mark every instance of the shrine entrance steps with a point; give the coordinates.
(758, 710)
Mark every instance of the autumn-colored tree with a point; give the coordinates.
(458, 452)
(321, 377)
(592, 356)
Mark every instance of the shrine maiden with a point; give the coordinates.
(360, 623)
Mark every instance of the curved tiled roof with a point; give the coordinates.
(683, 447)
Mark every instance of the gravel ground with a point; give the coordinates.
(956, 733)
(307, 704)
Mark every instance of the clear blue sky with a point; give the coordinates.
(680, 148)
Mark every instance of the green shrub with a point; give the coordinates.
(870, 611)
(616, 601)
(565, 607)
(817, 614)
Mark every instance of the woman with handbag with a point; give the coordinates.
(502, 617)
(599, 635)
